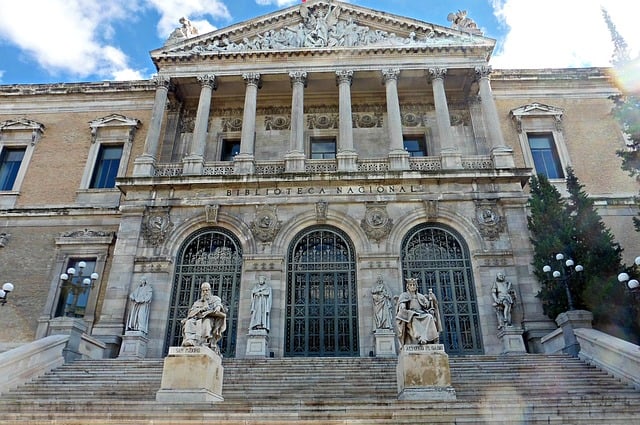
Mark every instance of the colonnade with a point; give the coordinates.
(346, 155)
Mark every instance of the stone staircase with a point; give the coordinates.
(524, 389)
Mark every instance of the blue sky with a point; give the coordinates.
(49, 41)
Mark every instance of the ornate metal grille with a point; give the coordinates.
(322, 301)
(214, 256)
(439, 259)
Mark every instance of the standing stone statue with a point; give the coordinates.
(382, 305)
(261, 305)
(417, 316)
(138, 319)
(503, 298)
(205, 322)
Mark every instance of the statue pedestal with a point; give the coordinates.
(512, 342)
(134, 345)
(385, 343)
(423, 373)
(191, 374)
(257, 343)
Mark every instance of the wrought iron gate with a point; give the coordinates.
(440, 260)
(214, 256)
(322, 307)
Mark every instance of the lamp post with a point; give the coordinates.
(4, 292)
(565, 271)
(74, 283)
(632, 284)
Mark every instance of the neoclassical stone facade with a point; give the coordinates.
(323, 146)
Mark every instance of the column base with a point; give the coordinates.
(258, 343)
(502, 158)
(192, 165)
(134, 345)
(398, 160)
(347, 161)
(451, 160)
(294, 162)
(385, 343)
(244, 164)
(144, 166)
(423, 373)
(512, 342)
(191, 374)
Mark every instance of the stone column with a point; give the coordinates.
(144, 165)
(451, 156)
(501, 154)
(194, 163)
(398, 157)
(244, 162)
(346, 155)
(294, 159)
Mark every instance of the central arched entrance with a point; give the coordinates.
(321, 300)
(439, 258)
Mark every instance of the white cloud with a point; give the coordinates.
(69, 36)
(279, 3)
(172, 10)
(561, 33)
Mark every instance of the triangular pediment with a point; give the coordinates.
(537, 109)
(21, 124)
(114, 120)
(319, 25)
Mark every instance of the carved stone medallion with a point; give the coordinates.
(489, 222)
(156, 225)
(266, 224)
(376, 222)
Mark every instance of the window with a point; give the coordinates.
(323, 148)
(230, 148)
(74, 292)
(106, 168)
(10, 160)
(545, 155)
(415, 145)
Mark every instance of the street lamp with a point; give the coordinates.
(632, 284)
(566, 270)
(76, 285)
(4, 292)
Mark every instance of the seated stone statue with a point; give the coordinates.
(205, 322)
(417, 316)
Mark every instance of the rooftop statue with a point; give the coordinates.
(186, 30)
(460, 22)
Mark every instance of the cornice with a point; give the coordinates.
(76, 88)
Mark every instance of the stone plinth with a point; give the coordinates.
(423, 373)
(75, 328)
(134, 345)
(570, 320)
(385, 343)
(257, 343)
(191, 374)
(512, 342)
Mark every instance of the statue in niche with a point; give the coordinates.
(382, 306)
(261, 305)
(503, 299)
(205, 322)
(138, 319)
(417, 316)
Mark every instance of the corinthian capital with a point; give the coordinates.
(298, 77)
(435, 73)
(390, 74)
(252, 78)
(344, 76)
(161, 81)
(208, 80)
(483, 71)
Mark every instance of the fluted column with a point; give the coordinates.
(502, 155)
(294, 159)
(451, 157)
(245, 160)
(346, 154)
(398, 157)
(194, 163)
(144, 165)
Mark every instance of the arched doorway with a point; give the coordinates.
(322, 296)
(211, 255)
(439, 258)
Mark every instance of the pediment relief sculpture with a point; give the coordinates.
(324, 25)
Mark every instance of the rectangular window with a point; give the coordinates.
(74, 293)
(545, 155)
(10, 161)
(107, 164)
(415, 145)
(230, 148)
(323, 148)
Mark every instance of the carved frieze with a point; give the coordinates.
(265, 225)
(322, 121)
(156, 225)
(487, 218)
(232, 123)
(367, 120)
(277, 122)
(376, 222)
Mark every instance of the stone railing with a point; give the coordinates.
(268, 168)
